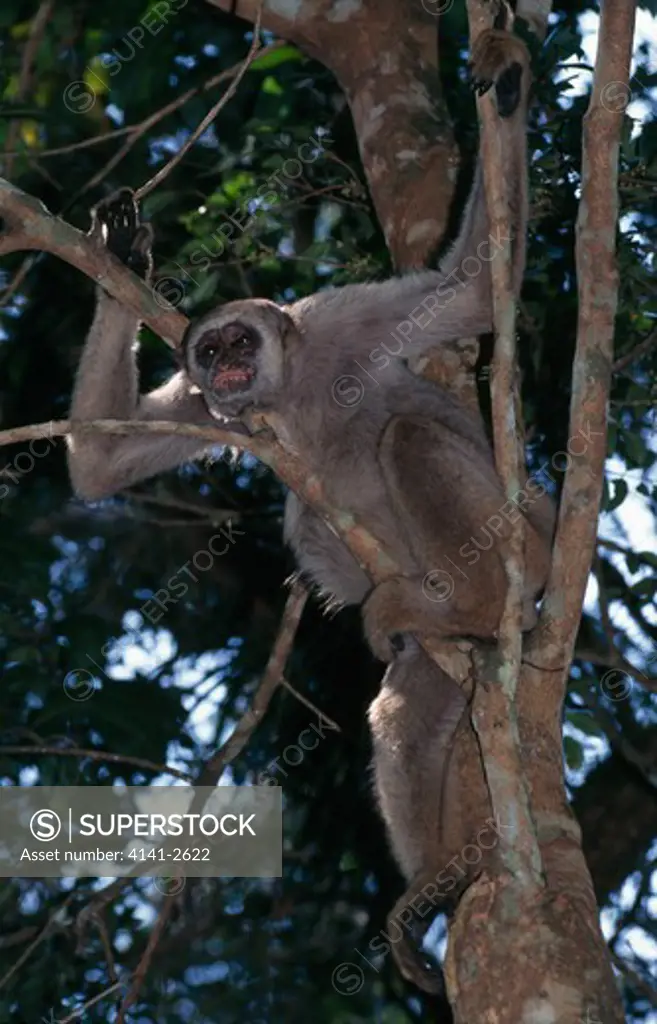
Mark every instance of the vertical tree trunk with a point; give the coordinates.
(517, 954)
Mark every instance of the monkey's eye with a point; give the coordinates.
(237, 335)
(207, 348)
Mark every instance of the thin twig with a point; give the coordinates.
(210, 116)
(55, 428)
(614, 659)
(140, 127)
(80, 1012)
(94, 755)
(17, 938)
(636, 353)
(142, 967)
(106, 943)
(271, 678)
(53, 919)
(214, 515)
(634, 979)
(18, 279)
(93, 910)
(644, 765)
(37, 30)
(309, 704)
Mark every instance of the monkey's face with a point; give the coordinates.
(234, 355)
(227, 357)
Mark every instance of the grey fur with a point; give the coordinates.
(408, 459)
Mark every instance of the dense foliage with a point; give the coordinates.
(74, 578)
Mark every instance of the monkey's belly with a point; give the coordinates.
(322, 555)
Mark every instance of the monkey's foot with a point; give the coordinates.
(424, 606)
(117, 222)
(499, 59)
(407, 953)
(386, 617)
(416, 968)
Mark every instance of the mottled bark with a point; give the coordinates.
(384, 54)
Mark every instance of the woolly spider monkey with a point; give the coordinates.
(408, 459)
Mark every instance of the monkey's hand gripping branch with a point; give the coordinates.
(26, 224)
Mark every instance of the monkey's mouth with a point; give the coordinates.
(233, 378)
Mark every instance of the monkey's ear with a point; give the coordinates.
(182, 350)
(178, 357)
(290, 335)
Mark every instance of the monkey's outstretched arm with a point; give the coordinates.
(420, 310)
(107, 382)
(460, 300)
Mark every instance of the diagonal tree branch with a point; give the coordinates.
(26, 224)
(139, 976)
(271, 679)
(597, 286)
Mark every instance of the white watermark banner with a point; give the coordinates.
(100, 831)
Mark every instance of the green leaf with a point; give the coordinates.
(96, 76)
(635, 448)
(348, 862)
(277, 57)
(584, 721)
(574, 753)
(271, 86)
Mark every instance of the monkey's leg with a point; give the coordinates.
(448, 502)
(414, 722)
